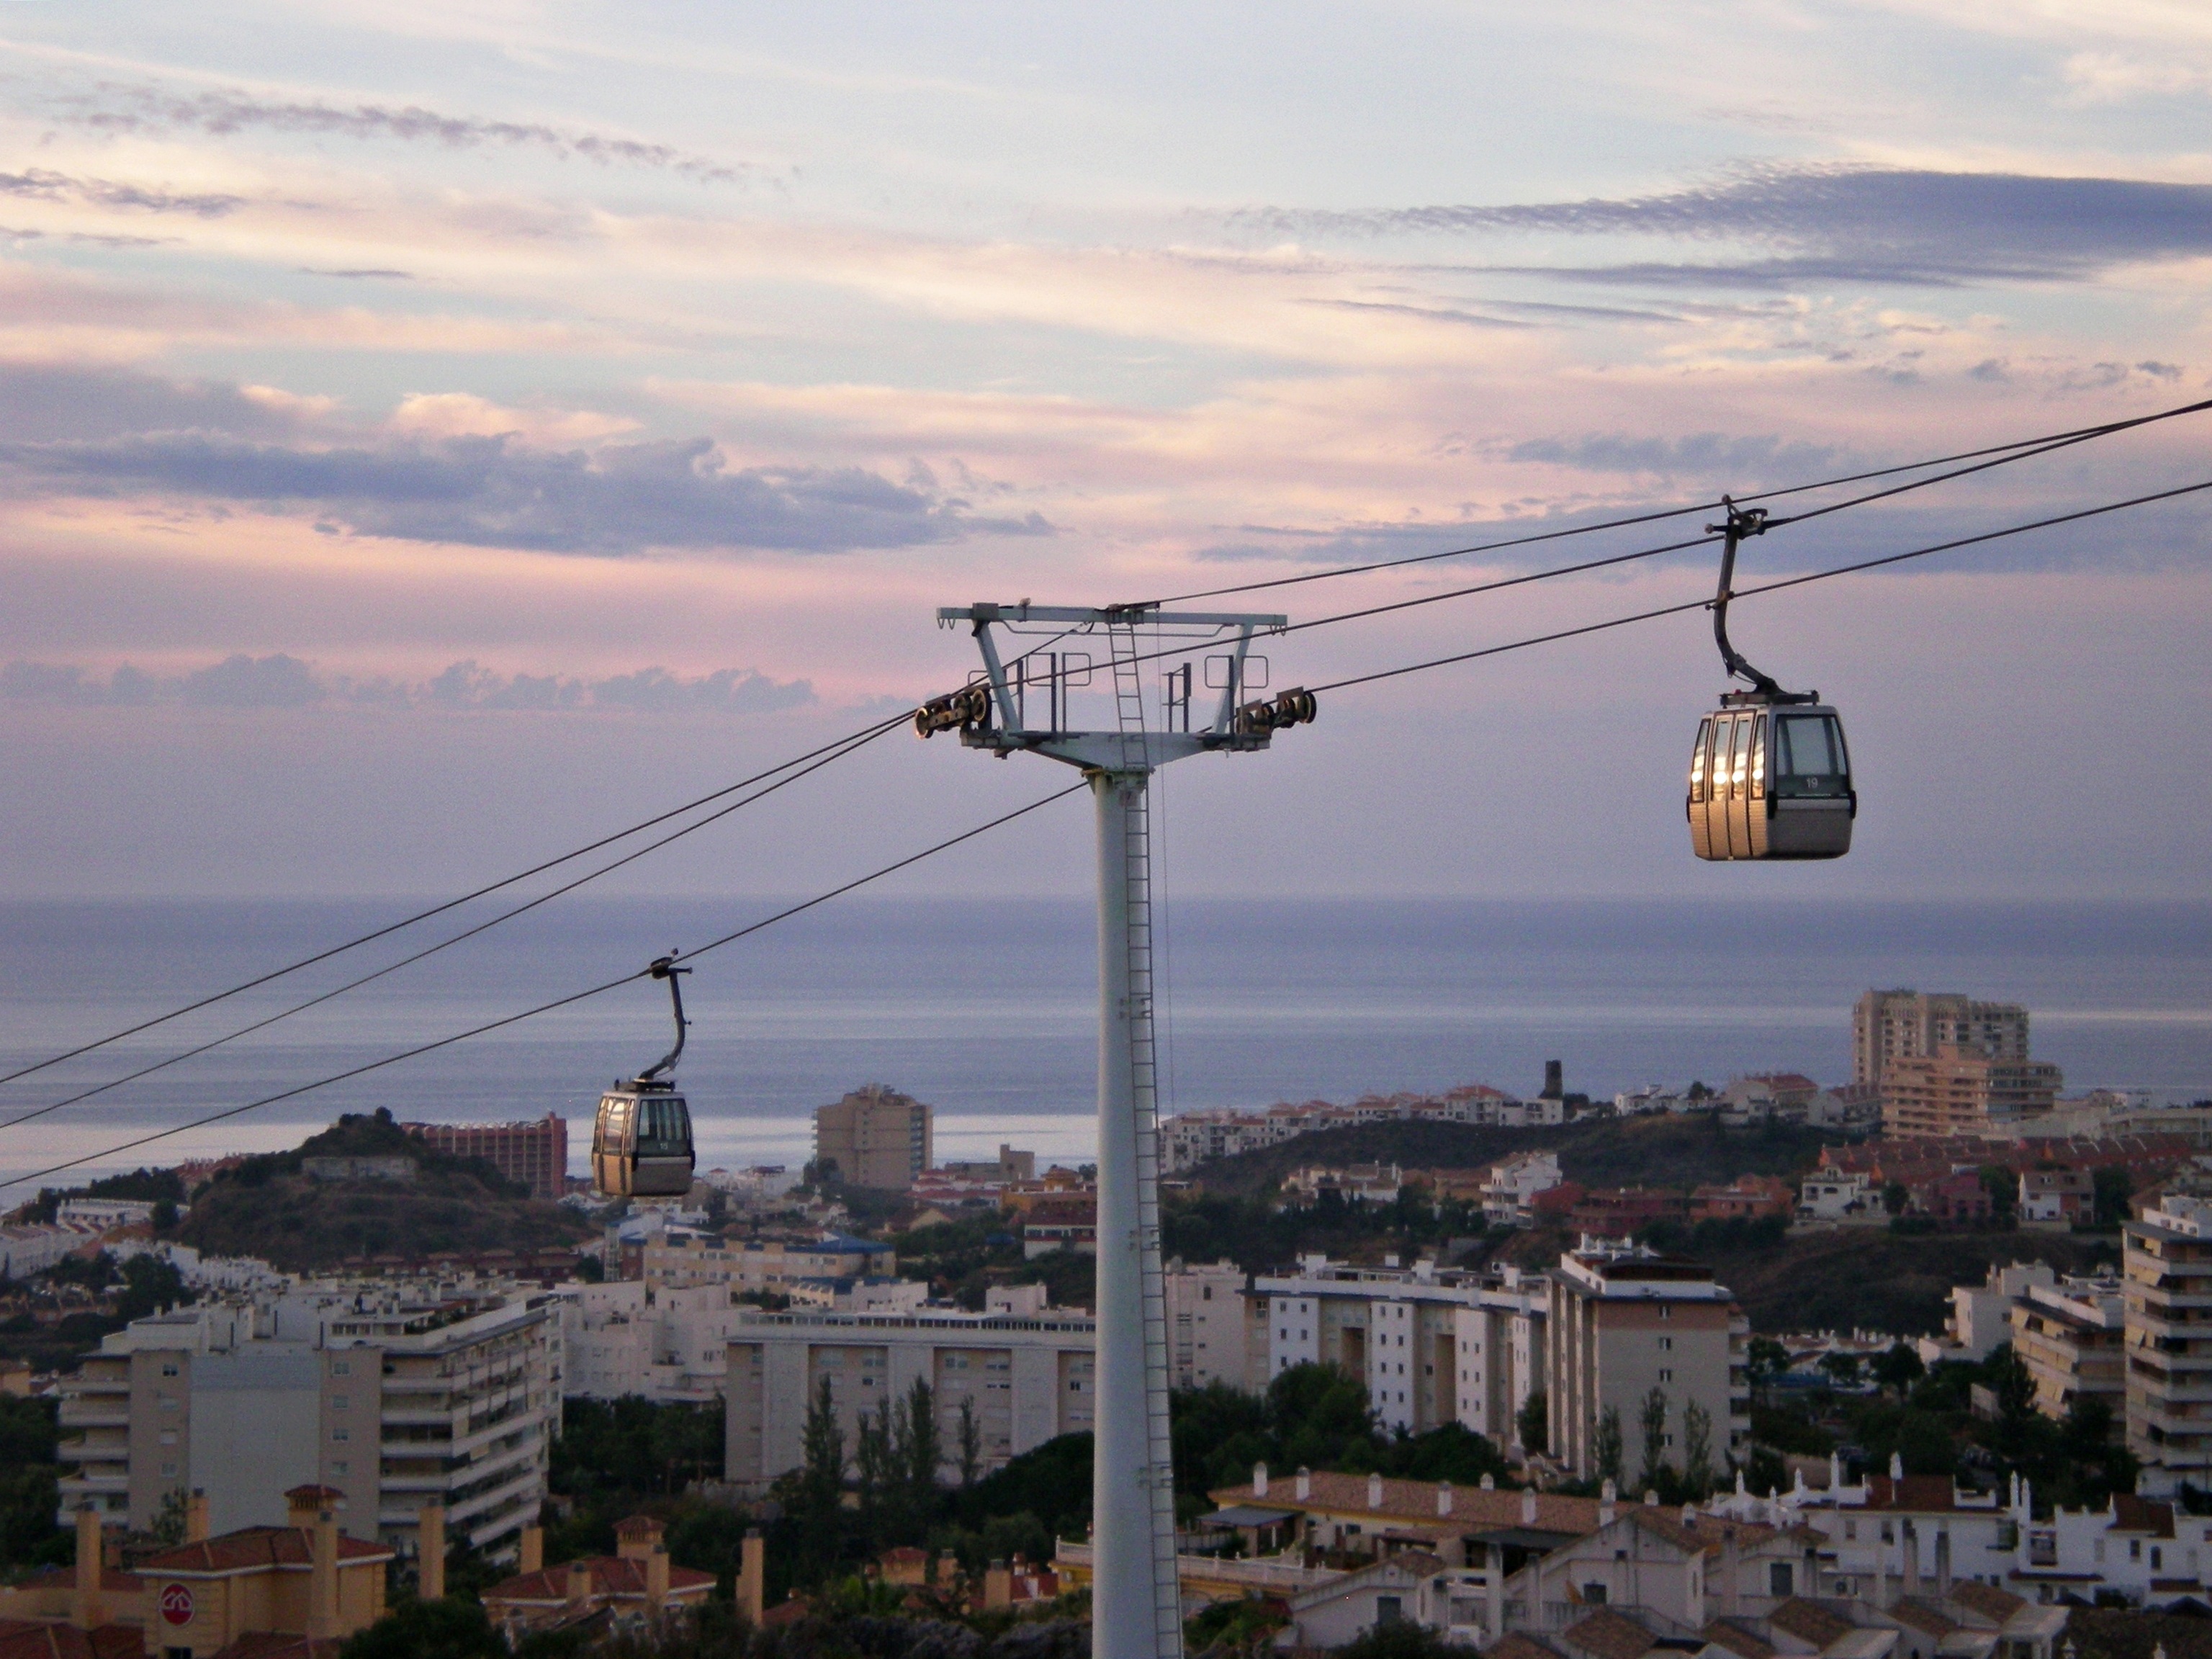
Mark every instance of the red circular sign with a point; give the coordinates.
(177, 1603)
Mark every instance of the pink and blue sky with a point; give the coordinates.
(437, 433)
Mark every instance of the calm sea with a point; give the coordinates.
(988, 1011)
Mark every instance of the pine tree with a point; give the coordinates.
(1606, 1445)
(1696, 1448)
(1652, 1419)
(972, 1443)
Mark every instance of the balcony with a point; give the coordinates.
(101, 1414)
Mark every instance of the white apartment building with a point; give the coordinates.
(1193, 1138)
(395, 1394)
(626, 1337)
(1905, 1024)
(32, 1249)
(1435, 1345)
(99, 1215)
(2166, 1282)
(1024, 1370)
(680, 1261)
(1210, 1327)
(1624, 1321)
(1833, 1195)
(1512, 1187)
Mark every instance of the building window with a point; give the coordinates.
(1388, 1609)
(341, 1468)
(169, 1368)
(1594, 1595)
(340, 1402)
(1666, 1376)
(1666, 1345)
(341, 1433)
(1780, 1580)
(342, 1368)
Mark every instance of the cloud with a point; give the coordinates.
(493, 491)
(243, 682)
(43, 185)
(135, 109)
(1848, 223)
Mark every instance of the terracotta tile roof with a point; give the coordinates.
(2133, 1514)
(638, 1526)
(1708, 1533)
(612, 1575)
(277, 1645)
(1473, 1509)
(1920, 1493)
(1923, 1615)
(1516, 1645)
(113, 1579)
(1809, 1622)
(1737, 1640)
(1992, 1603)
(29, 1639)
(785, 1613)
(255, 1548)
(1609, 1635)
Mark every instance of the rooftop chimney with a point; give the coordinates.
(1374, 1492)
(1490, 1483)
(195, 1516)
(580, 1583)
(636, 1537)
(84, 1601)
(752, 1575)
(1305, 1481)
(1608, 1496)
(998, 1586)
(656, 1579)
(323, 1578)
(1258, 1480)
(532, 1556)
(430, 1551)
(1527, 1509)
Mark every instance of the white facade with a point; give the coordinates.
(1981, 1315)
(1208, 1326)
(395, 1394)
(100, 1214)
(626, 1338)
(1826, 1195)
(32, 1249)
(1433, 1346)
(1025, 1374)
(1513, 1185)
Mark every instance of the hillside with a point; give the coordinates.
(1854, 1278)
(1652, 1152)
(273, 1208)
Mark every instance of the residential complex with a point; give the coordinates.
(535, 1154)
(2069, 1335)
(1892, 1025)
(2168, 1273)
(875, 1137)
(1961, 1090)
(393, 1395)
(1627, 1326)
(1434, 1346)
(1211, 1327)
(1023, 1370)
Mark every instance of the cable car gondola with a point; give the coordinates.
(642, 1143)
(1770, 777)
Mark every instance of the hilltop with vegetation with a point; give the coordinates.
(272, 1207)
(1664, 1150)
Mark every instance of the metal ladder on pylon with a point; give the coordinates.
(1144, 1067)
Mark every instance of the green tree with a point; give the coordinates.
(924, 1447)
(1651, 1418)
(168, 1526)
(1696, 1448)
(969, 1448)
(1894, 1197)
(1843, 1369)
(819, 1499)
(448, 1629)
(1768, 1359)
(2113, 1186)
(1899, 1367)
(873, 1471)
(1534, 1422)
(1606, 1445)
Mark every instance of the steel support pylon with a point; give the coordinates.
(1136, 1601)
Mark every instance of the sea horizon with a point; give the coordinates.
(987, 1010)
